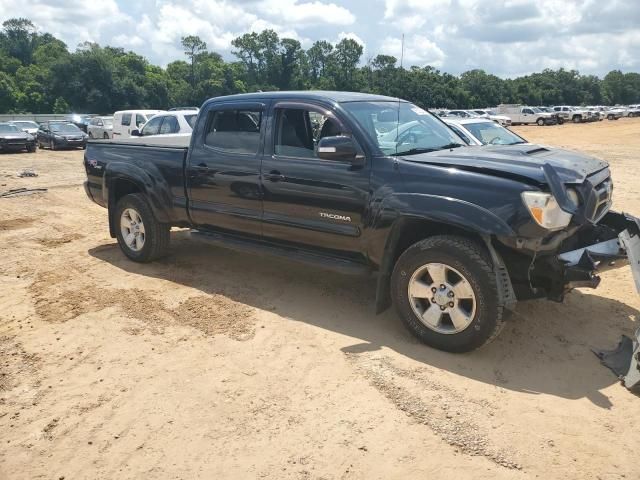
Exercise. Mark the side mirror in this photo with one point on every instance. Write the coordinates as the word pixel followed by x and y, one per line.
pixel 339 149
pixel 135 133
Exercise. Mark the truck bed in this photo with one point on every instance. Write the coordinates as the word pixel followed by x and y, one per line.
pixel 159 169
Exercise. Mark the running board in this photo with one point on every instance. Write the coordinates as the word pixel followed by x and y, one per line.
pixel 243 244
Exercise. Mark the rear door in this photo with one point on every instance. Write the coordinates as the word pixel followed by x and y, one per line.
pixel 224 167
pixel 308 200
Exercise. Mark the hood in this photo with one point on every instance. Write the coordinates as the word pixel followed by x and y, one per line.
pixel 15 136
pixel 522 160
pixel 70 135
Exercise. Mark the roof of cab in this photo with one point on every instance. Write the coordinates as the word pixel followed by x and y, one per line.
pixel 325 95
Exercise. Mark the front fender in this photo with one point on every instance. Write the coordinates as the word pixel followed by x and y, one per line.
pixel 397 213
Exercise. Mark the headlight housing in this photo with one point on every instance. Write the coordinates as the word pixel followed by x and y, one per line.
pixel 545 210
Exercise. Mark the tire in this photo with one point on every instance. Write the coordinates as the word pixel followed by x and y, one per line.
pixel 610 117
pixel 155 239
pixel 91 135
pixel 105 136
pixel 463 259
pixel 560 121
pixel 540 122
pixel 31 149
pixel 577 119
pixel 52 145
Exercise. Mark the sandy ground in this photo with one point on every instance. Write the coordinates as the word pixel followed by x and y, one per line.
pixel 215 364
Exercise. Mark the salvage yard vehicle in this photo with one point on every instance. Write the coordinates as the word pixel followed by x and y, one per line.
pixel 172 128
pixel 573 114
pixel 100 127
pixel 523 115
pixel 59 134
pixel 455 234
pixel 26 126
pixel 12 139
pixel 481 131
pixel 125 121
pixel 491 115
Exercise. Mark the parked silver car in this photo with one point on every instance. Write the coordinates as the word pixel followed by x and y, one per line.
pixel 100 127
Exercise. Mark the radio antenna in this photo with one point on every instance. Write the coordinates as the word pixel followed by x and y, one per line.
pixel 398 123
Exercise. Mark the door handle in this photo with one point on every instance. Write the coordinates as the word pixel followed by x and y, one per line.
pixel 275 176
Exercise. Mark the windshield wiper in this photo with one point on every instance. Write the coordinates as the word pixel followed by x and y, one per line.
pixel 449 145
pixel 415 151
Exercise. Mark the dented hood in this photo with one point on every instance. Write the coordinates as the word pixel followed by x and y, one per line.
pixel 522 160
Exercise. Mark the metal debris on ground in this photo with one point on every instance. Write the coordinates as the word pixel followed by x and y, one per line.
pixel 27 172
pixel 624 361
pixel 17 192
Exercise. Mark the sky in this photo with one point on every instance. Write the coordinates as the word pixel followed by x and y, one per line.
pixel 506 37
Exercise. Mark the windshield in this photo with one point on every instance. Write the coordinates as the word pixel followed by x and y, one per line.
pixel 65 128
pixel 536 110
pixel 412 130
pixel 490 133
pixel 191 120
pixel 8 129
pixel 23 124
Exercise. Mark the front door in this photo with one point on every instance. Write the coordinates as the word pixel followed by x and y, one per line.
pixel 224 168
pixel 308 200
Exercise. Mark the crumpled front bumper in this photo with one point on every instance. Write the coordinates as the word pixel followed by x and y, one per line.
pixel 580 266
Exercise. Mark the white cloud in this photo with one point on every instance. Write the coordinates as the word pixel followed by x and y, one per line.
pixel 506 37
pixel 418 50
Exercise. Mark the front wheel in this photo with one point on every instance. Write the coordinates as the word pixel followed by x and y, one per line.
pixel 140 236
pixel 577 119
pixel 540 122
pixel 444 290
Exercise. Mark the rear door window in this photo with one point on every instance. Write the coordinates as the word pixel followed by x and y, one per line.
pixel 235 131
pixel 126 119
pixel 169 125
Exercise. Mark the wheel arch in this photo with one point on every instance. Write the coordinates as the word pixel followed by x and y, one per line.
pixel 464 220
pixel 124 179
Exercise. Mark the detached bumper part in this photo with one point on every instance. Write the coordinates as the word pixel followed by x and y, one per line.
pixel 624 361
pixel 582 265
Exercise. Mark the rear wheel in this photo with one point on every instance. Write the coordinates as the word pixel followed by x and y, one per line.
pixel 52 145
pixel 577 119
pixel 540 122
pixel 91 135
pixel 31 148
pixel 140 236
pixel 445 292
pixel 105 136
pixel 610 117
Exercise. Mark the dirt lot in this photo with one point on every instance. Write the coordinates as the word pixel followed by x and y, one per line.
pixel 215 364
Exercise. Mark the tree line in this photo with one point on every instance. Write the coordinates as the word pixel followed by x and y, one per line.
pixel 38 74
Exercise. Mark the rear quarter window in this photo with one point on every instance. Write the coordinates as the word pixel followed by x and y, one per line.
pixel 126 119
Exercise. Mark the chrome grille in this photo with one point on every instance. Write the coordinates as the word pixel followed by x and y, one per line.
pixel 597 193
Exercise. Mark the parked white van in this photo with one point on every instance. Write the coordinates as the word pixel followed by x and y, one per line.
pixel 125 121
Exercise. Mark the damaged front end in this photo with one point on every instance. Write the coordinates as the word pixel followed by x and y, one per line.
pixel 599 240
pixel 613 243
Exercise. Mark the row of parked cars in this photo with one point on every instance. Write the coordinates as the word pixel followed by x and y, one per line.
pixel 174 126
pixel 513 114
pixel 171 127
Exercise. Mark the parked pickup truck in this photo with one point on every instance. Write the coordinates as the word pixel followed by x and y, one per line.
pixel 455 234
pixel 526 115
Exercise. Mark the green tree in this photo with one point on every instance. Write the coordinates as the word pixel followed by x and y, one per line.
pixel 193 45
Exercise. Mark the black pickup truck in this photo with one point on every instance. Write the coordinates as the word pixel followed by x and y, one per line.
pixel 367 184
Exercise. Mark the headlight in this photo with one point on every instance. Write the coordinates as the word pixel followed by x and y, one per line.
pixel 545 210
